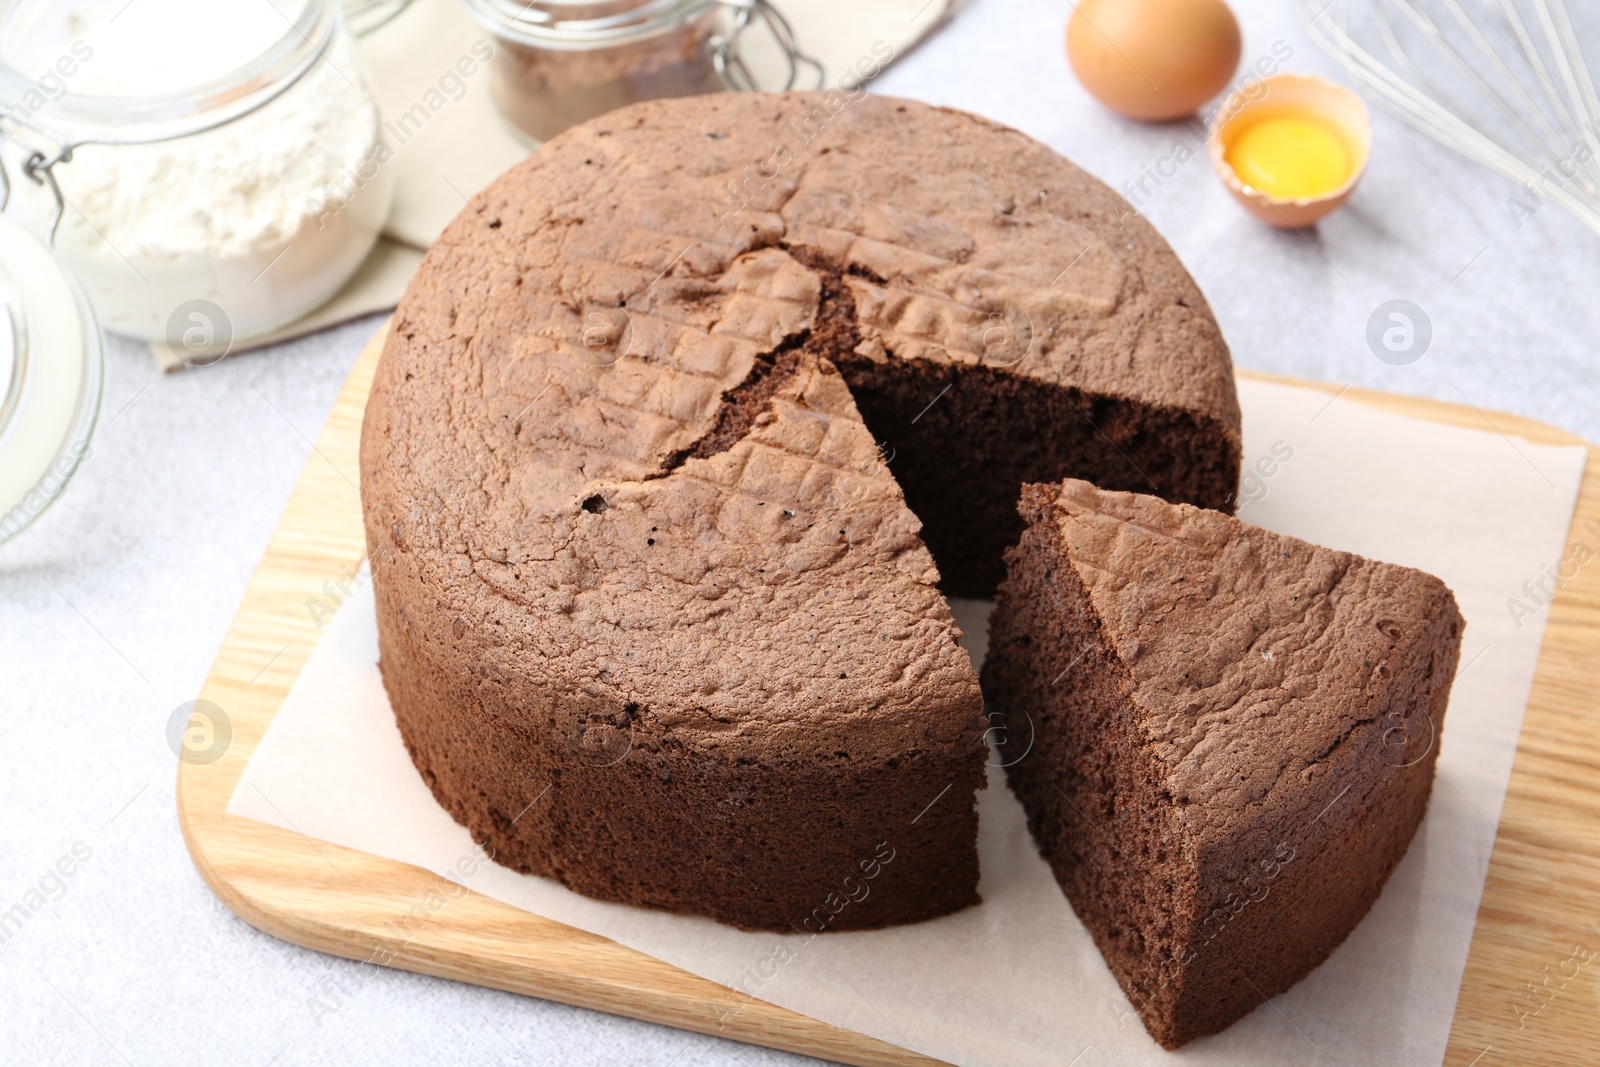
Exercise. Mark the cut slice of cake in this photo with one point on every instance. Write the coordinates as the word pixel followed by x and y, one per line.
pixel 1234 736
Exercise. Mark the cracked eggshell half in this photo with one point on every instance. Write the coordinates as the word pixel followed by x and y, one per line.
pixel 1300 96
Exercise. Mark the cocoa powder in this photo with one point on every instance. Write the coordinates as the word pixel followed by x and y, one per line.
pixel 542 91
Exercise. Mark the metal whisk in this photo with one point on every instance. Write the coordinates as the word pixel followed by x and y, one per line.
pixel 1474 76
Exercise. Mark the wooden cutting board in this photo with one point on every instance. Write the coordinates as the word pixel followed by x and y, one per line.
pixel 1539 917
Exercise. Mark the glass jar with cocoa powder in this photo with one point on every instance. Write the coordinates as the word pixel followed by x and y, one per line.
pixel 562 62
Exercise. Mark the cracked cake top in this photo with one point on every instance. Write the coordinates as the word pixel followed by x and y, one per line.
pixel 606 444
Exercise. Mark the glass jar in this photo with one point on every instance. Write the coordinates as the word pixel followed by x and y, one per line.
pixel 562 62
pixel 52 370
pixel 195 162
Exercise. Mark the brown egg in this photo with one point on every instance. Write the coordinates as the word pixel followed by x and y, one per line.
pixel 1153 59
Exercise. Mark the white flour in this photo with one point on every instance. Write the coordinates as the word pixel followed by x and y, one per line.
pixel 265 217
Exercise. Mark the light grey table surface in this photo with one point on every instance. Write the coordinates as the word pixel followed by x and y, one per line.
pixel 113 606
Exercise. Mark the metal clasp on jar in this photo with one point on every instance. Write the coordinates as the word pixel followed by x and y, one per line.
pixel 39 165
pixel 729 64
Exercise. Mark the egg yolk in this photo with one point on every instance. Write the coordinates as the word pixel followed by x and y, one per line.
pixel 1290 157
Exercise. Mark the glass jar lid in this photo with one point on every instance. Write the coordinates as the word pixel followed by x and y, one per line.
pixel 41 40
pixel 52 371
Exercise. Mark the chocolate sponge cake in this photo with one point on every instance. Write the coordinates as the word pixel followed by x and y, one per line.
pixel 682 432
pixel 1234 737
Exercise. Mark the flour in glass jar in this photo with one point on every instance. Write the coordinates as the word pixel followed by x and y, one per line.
pixel 265 216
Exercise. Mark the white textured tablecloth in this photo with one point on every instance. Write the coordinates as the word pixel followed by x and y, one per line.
pixel 113 606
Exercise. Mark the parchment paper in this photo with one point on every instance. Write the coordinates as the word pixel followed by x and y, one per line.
pixel 1017 980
